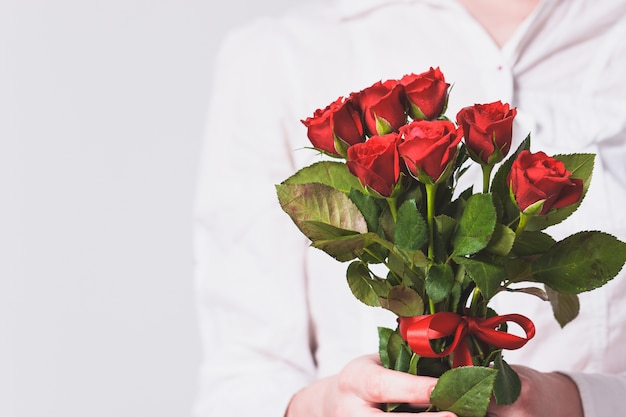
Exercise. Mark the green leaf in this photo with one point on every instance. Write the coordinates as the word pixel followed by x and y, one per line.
pixel 564 306
pixel 325 231
pixel 383 341
pixel 346 248
pixel 465 391
pixel 532 243
pixel 403 363
pixel 518 270
pixel 408 265
pixel 403 301
pixel 389 346
pixel 581 262
pixel 393 355
pixel 581 166
pixel 476 225
pixel 411 230
pixel 387 225
pixel 306 203
pixel 487 276
pixel 434 367
pixel 331 173
pixel 368 206
pixel 412 258
pixel 375 254
pixel 360 283
pixel 439 282
pixel 508 385
pixel 502 240
pixel 444 227
pixel 457 290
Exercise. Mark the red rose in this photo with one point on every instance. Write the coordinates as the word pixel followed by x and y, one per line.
pixel 339 119
pixel 427 94
pixel 488 129
pixel 536 177
pixel 429 147
pixel 383 107
pixel 376 163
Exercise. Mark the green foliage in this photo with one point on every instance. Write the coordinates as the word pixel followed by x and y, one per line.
pixel 361 284
pixel 465 391
pixel 581 262
pixel 408 266
pixel 444 228
pixel 564 306
pixel 331 173
pixel 532 243
pixel 403 301
pixel 394 354
pixel 508 385
pixel 411 231
pixel 320 204
pixel 345 248
pixel 487 276
pixel 390 344
pixel 369 207
pixel 501 241
pixel 439 282
pixel 476 225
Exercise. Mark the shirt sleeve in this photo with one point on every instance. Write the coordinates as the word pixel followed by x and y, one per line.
pixel 601 394
pixel 249 258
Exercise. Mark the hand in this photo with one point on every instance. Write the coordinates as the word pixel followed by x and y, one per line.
pixel 543 395
pixel 359 389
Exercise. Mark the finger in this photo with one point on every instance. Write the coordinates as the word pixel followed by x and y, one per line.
pixel 370 381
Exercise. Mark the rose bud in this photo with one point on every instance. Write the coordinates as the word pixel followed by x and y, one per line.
pixel 427 94
pixel 383 107
pixel 335 128
pixel 539 183
pixel 488 130
pixel 376 163
pixel 429 148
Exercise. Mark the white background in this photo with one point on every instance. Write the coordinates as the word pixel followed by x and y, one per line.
pixel 102 106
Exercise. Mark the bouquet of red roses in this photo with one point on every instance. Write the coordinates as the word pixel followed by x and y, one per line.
pixel 389 196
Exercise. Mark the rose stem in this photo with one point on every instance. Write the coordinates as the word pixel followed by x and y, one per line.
pixel 431 190
pixel 486 176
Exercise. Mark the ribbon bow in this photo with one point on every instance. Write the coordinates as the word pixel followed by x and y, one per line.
pixel 418 331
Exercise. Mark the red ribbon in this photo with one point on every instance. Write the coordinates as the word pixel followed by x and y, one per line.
pixel 419 331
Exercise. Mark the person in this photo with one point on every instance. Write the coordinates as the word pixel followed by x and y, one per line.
pixel 282 334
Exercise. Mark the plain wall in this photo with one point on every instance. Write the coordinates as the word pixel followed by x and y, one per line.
pixel 102 108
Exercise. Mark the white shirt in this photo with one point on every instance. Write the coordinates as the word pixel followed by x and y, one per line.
pixel 274 314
